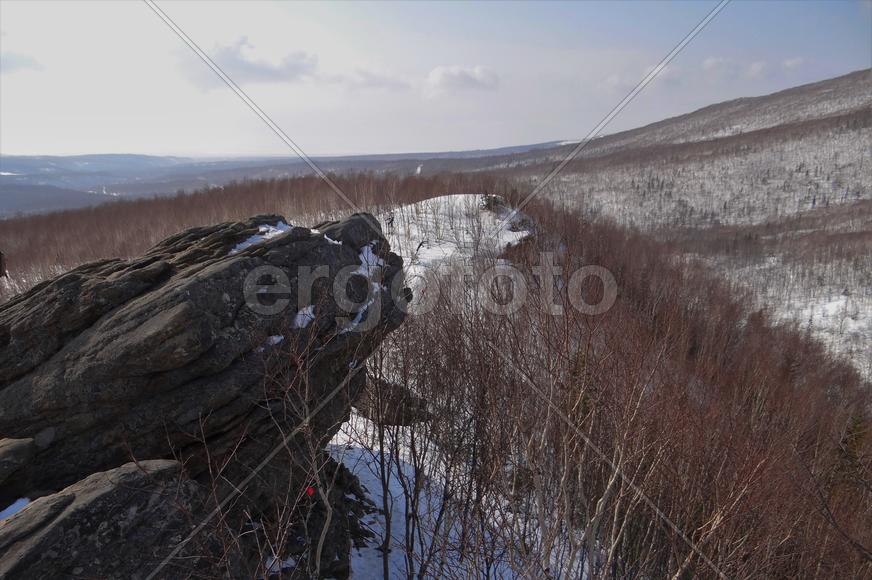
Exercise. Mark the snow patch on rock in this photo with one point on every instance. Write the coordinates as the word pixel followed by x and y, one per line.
pixel 265 232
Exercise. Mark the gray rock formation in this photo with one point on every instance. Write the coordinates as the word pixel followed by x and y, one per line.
pixel 105 526
pixel 210 350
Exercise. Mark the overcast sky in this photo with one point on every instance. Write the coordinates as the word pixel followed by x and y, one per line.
pixel 391 77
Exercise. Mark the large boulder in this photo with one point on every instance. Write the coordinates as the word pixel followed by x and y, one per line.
pixel 122 524
pixel 111 524
pixel 217 348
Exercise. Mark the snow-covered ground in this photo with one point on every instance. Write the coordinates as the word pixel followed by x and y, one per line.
pixel 746 192
pixel 428 529
pixel 445 230
pixel 763 184
pixel 834 306
pixel 438 544
pixel 448 230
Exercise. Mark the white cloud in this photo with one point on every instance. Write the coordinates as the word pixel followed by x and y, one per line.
pixel 369 79
pixel 238 62
pixel 714 63
pixel 793 63
pixel 11 62
pixel 757 70
pixel 614 82
pixel 452 78
pixel 369 89
pixel 720 69
pixel 670 75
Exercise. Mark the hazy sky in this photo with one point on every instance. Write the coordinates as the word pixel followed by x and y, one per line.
pixel 391 77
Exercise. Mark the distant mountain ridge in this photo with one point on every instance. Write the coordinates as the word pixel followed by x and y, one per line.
pixel 834 96
pixel 26 181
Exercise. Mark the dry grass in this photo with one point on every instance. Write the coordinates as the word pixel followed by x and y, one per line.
pixel 749 436
pixel 41 246
pixel 746 434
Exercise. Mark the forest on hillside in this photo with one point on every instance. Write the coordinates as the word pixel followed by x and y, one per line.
pixel 685 431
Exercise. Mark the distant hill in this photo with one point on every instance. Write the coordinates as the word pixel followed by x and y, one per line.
pixel 144 175
pixel 27 183
pixel 109 164
pixel 837 96
pixel 744 161
pixel 16 199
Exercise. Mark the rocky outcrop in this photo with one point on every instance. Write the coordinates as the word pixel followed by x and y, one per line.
pixel 105 526
pixel 220 348
pixel 14 454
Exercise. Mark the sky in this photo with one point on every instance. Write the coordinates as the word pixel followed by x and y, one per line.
pixel 392 77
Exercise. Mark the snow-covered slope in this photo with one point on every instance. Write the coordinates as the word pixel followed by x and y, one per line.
pixel 439 546
pixel 442 231
pixel 811 101
pixel 450 229
pixel 832 302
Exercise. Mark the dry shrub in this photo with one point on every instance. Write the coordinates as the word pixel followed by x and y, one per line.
pixel 551 434
pixel 41 246
pixel 555 432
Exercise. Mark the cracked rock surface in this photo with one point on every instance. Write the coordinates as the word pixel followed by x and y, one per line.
pixel 190 361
